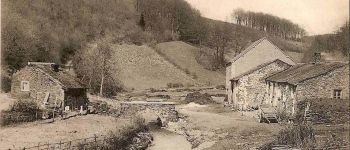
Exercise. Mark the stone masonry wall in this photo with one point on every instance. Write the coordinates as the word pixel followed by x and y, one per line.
pixel 251 90
pixel 165 111
pixel 39 85
pixel 323 86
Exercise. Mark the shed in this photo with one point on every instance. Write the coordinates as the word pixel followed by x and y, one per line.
pixel 49 86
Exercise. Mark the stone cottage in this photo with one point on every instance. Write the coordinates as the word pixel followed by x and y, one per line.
pixel 49 86
pixel 323 80
pixel 245 74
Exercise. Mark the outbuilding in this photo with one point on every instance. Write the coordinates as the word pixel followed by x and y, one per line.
pixel 309 81
pixel 49 86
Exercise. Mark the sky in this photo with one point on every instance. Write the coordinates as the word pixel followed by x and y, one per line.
pixel 315 16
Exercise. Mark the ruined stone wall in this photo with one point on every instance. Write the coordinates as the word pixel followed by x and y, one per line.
pixel 323 86
pixel 251 89
pixel 39 85
pixel 165 111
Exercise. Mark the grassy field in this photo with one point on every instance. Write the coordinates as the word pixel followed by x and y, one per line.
pixel 140 67
pixel 184 55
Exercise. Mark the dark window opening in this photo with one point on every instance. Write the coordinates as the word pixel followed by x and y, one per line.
pixel 337 94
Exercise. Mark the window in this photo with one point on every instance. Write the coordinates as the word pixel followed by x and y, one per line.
pixel 337 94
pixel 25 86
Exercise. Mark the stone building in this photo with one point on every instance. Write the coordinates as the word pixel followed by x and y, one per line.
pixel 246 72
pixel 49 86
pixel 323 80
pixel 248 89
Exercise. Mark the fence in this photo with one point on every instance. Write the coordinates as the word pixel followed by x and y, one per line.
pixel 82 143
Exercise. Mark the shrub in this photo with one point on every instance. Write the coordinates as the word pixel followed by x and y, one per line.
pixel 301 136
pixel 220 87
pixel 194 76
pixel 199 98
pixel 174 85
pixel 187 71
pixel 120 139
pixel 25 106
pixel 20 111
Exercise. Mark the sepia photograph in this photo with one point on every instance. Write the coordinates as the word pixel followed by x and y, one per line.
pixel 174 75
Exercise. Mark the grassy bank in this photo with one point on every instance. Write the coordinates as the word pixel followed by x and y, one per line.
pixel 133 136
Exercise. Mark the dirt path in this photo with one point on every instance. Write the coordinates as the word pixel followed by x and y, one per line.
pixel 5 101
pixel 226 129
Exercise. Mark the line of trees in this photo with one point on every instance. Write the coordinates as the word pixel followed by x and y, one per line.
pixel 272 24
pixel 171 20
pixel 338 42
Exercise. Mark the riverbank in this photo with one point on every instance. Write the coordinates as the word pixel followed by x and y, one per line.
pixel 167 140
pixel 214 127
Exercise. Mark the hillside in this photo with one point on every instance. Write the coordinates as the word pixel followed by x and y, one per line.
pixel 140 67
pixel 184 56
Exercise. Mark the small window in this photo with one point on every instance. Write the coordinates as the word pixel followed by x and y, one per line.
pixel 337 94
pixel 25 86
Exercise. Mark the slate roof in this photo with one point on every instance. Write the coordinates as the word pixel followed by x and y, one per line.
pixel 302 72
pixel 65 79
pixel 258 67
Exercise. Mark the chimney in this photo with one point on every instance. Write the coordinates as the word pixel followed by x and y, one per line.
pixel 316 58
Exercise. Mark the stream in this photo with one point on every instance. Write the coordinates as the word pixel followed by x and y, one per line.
pixel 166 140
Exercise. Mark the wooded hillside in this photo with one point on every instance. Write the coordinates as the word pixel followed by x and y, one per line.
pixel 59 31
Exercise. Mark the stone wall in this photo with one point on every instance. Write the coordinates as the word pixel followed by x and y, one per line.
pixel 39 84
pixel 228 83
pixel 282 97
pixel 323 86
pixel 251 89
pixel 164 110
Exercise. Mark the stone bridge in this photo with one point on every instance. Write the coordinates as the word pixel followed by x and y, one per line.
pixel 163 110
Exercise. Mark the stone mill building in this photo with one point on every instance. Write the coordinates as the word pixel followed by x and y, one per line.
pixel 245 74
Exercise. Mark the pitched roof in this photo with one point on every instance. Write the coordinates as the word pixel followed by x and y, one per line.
pixel 248 48
pixel 302 72
pixel 253 45
pixel 258 67
pixel 65 79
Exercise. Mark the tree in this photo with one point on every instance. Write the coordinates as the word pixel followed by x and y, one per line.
pixel 104 55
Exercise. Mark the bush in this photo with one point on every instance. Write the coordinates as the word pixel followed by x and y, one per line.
pixel 21 111
pixel 297 136
pixel 123 138
pixel 25 106
pixel 174 85
pixel 301 136
pixel 220 87
pixel 199 98
pixel 5 83
pixel 324 110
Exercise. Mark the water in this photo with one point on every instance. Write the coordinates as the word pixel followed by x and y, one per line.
pixel 166 140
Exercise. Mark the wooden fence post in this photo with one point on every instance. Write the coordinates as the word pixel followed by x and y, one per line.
pixel 60 145
pixel 38 145
pixel 70 144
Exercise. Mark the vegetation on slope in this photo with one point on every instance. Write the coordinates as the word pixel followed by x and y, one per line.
pixel 337 42
pixel 58 31
pixel 268 23
pixel 184 56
